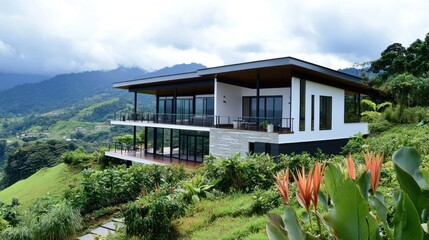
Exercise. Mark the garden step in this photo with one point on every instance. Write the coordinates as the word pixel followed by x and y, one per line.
pixel 114 226
pixel 102 231
pixel 121 220
pixel 88 236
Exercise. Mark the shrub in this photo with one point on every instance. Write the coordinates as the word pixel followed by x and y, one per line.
pixel 379 126
pixel 77 156
pixel 9 213
pixel 240 174
pixel 197 188
pixel 295 161
pixel 16 233
pixel 262 202
pixel 415 115
pixel 3 224
pixel 150 217
pixel 119 184
pixel 62 222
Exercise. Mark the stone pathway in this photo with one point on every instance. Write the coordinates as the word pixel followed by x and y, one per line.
pixel 104 229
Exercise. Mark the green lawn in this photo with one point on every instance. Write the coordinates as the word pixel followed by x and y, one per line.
pixel 52 180
pixel 221 219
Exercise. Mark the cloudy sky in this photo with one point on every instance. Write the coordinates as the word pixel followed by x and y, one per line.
pixel 62 36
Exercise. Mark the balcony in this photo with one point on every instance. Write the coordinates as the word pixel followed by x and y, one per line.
pixel 278 125
pixel 139 155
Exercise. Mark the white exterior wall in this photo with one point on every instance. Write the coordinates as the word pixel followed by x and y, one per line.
pixel 228 99
pixel 339 128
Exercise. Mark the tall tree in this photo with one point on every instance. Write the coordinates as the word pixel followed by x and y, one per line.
pixel 391 62
pixel 2 149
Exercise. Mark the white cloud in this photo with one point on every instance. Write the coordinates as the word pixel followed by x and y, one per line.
pixel 74 35
pixel 6 49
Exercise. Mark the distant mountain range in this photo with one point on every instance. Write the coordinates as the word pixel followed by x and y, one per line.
pixel 10 80
pixel 63 90
pixel 358 72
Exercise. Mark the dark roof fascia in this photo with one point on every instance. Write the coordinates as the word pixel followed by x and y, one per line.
pixel 276 62
pixel 164 78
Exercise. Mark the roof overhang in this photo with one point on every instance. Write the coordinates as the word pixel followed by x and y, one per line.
pixel 271 73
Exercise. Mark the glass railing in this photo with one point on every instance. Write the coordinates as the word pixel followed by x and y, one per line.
pixel 279 125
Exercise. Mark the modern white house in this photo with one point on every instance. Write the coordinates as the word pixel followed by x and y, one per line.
pixel 273 106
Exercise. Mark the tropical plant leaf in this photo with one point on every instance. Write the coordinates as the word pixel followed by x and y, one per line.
pixel 350 217
pixel 377 202
pixel 275 228
pixel 333 179
pixel 379 205
pixel 407 161
pixel 291 224
pixel 363 183
pixel 408 225
pixel 195 199
pixel 384 104
pixel 323 200
pixel 275 233
pixel 370 104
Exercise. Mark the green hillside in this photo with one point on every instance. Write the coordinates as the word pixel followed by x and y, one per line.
pixel 52 180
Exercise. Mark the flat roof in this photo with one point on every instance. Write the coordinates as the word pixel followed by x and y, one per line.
pixel 276 69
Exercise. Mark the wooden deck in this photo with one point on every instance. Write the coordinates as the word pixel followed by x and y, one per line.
pixel 141 157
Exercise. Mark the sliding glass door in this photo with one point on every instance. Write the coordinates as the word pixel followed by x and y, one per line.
pixel 174 143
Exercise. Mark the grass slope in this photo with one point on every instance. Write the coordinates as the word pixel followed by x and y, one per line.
pixel 221 219
pixel 88 110
pixel 52 180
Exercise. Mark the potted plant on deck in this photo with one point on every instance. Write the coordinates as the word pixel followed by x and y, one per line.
pixel 267 125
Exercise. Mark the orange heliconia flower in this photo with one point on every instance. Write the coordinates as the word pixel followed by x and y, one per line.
pixel 305 187
pixel 351 167
pixel 374 163
pixel 282 183
pixel 317 178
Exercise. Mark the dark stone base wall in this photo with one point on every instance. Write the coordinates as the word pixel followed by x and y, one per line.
pixel 327 147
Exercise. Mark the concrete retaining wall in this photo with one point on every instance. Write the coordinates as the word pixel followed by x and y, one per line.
pixel 225 142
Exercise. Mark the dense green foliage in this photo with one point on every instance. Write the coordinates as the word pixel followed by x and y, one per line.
pixel 389 140
pixel 56 221
pixel 30 157
pixel 396 59
pixel 9 213
pixel 403 73
pixel 61 222
pixel 76 157
pixel 3 145
pixel 240 174
pixel 151 217
pixel 119 184
pixel 356 209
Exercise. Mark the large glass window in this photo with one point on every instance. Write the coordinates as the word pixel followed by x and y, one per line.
pixel 204 106
pixel 302 105
pixel 150 136
pixel 193 145
pixel 352 108
pixel 165 105
pixel 270 107
pixel 325 113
